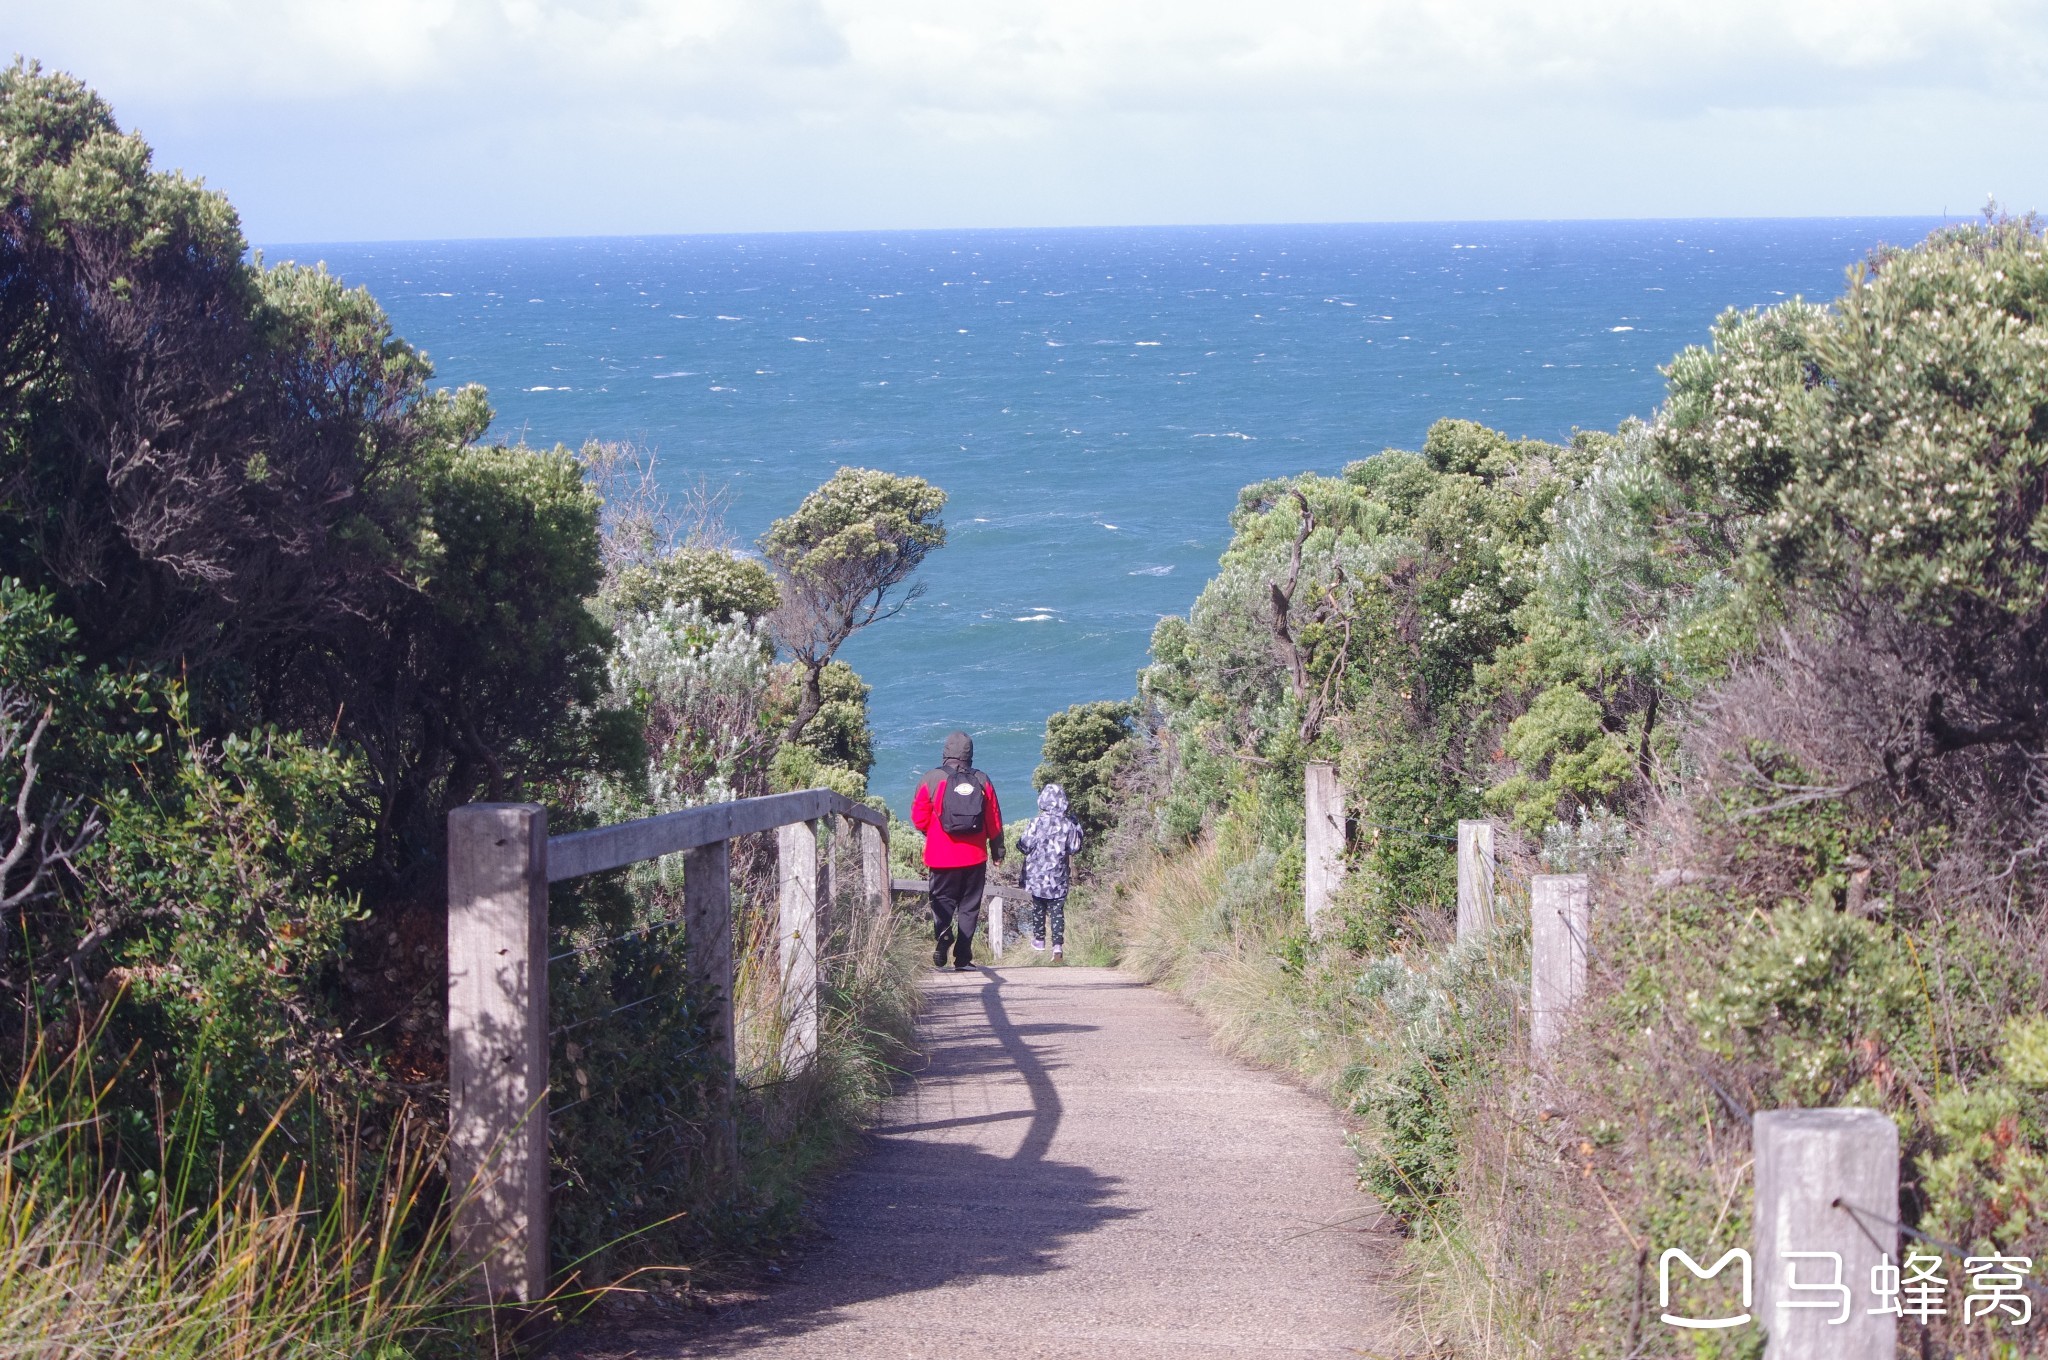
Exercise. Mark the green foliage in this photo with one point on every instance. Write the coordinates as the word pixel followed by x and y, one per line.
pixel 797 766
pixel 720 583
pixel 1085 747
pixel 839 733
pixel 844 559
pixel 1806 606
pixel 881 522
pixel 1917 459
pixel 214 895
pixel 312 543
pixel 1441 1028
pixel 1566 761
pixel 1803 995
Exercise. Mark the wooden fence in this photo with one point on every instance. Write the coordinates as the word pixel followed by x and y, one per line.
pixel 500 862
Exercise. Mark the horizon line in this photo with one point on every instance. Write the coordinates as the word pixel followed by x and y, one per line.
pixel 1944 218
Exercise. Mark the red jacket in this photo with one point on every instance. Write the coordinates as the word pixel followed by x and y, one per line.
pixel 943 849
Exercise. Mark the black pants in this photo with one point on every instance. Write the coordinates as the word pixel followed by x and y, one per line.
pixel 956 908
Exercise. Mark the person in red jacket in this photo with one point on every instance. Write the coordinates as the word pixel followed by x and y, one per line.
pixel 956 809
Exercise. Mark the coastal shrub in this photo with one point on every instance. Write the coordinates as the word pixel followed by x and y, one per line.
pixel 843 560
pixel 838 733
pixel 1085 750
pixel 235 472
pixel 696 686
pixel 718 582
pixel 1767 667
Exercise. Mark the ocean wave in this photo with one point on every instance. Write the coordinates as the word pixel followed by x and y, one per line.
pixel 1147 344
pixel 550 389
pixel 1035 618
pixel 800 339
pixel 680 373
pixel 1151 571
pixel 1228 434
pixel 723 317
pixel 1616 330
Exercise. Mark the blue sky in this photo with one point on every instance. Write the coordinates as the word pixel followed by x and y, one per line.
pixel 331 120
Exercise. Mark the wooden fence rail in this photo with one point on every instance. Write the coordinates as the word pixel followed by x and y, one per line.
pixel 500 862
pixel 994 894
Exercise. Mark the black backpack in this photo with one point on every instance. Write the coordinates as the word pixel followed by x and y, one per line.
pixel 959 801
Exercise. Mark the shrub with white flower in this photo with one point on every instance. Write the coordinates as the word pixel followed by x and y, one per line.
pixel 698 684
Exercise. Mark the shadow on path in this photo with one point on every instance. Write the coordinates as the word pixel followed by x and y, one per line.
pixel 927 1205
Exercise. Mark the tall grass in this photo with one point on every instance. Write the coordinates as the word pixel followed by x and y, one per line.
pixel 794 1124
pixel 332 1251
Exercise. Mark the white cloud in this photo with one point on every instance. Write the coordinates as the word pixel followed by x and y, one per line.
pixel 1025 55
pixel 487 116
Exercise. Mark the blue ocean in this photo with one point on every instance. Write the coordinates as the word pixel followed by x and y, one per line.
pixel 1092 399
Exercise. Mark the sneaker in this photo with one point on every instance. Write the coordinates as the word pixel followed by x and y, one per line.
pixel 1059 953
pixel 963 967
pixel 1038 945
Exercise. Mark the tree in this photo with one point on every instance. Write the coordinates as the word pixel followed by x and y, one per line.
pixel 844 560
pixel 1085 748
pixel 1887 463
pixel 238 474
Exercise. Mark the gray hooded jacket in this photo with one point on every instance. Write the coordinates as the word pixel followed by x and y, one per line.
pixel 1047 843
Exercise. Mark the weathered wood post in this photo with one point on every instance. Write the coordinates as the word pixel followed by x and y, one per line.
pixel 707 946
pixel 874 867
pixel 1827 1199
pixel 498 1045
pixel 1560 917
pixel 1475 879
pixel 995 924
pixel 796 856
pixel 829 845
pixel 1325 870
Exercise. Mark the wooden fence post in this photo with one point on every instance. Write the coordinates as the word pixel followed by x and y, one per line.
pixel 1475 879
pixel 707 946
pixel 796 856
pixel 1560 917
pixel 498 1044
pixel 1324 804
pixel 874 867
pixel 995 924
pixel 1827 1204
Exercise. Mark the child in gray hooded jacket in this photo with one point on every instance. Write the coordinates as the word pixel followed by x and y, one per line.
pixel 1049 844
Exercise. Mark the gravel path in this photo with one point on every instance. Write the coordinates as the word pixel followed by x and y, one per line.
pixel 1078 1174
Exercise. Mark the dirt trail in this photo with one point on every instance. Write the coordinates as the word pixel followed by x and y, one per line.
pixel 1077 1174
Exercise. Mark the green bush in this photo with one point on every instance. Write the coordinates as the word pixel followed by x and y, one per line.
pixel 1086 746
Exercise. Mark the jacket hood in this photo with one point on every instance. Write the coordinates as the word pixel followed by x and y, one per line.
pixel 1052 798
pixel 959 750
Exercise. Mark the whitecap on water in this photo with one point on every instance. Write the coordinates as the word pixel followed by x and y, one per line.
pixel 1151 571
pixel 679 373
pixel 800 339
pixel 1035 618
pixel 1108 525
pixel 728 318
pixel 1144 344
pixel 1612 330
